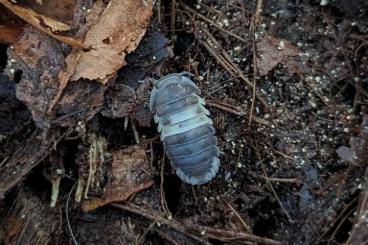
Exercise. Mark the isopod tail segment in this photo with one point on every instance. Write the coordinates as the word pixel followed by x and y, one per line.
pixel 186 129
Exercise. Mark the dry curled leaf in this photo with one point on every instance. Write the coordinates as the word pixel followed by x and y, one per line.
pixel 34 18
pixel 117 32
pixel 272 51
pixel 40 58
pixel 43 23
pixel 129 173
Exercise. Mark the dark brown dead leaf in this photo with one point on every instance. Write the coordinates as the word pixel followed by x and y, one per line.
pixel 11 26
pixel 81 101
pixel 13 114
pixel 129 173
pixel 272 51
pixel 40 58
pixel 122 101
pixel 10 33
pixel 129 96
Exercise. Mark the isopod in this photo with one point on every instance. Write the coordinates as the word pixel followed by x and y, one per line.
pixel 186 130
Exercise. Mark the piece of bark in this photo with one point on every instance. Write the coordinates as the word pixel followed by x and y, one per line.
pixel 30 221
pixel 129 173
pixel 28 155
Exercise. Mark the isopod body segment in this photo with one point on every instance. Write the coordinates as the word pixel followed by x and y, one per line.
pixel 186 129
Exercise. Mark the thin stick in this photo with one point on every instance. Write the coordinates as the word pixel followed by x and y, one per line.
pixel 162 193
pixel 254 79
pixel 67 215
pixel 230 109
pixel 195 13
pixel 55 188
pixel 226 62
pixel 225 107
pixel 283 154
pixel 246 226
pixel 257 16
pixel 149 228
pixel 159 11
pixel 209 232
pixel 271 187
pixel 173 15
pixel 282 180
pixel 135 132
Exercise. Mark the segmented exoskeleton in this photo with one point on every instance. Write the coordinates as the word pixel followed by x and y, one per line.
pixel 186 130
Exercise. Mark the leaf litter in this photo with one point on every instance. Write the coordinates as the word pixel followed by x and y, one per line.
pixel 281 177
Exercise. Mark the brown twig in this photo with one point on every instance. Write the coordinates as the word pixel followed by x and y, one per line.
pixel 209 232
pixel 226 235
pixel 225 107
pixel 67 214
pixel 231 109
pixel 158 5
pixel 173 16
pixel 135 132
pixel 245 225
pixel 283 180
pixel 162 192
pixel 195 13
pixel 149 228
pixel 257 16
pixel 220 55
pixel 341 215
pixel 270 185
pixel 254 72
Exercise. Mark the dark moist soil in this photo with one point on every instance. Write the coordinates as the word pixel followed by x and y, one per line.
pixel 279 172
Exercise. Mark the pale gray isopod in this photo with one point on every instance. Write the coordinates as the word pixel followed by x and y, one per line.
pixel 186 130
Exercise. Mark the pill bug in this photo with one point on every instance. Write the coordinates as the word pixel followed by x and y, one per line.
pixel 186 130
